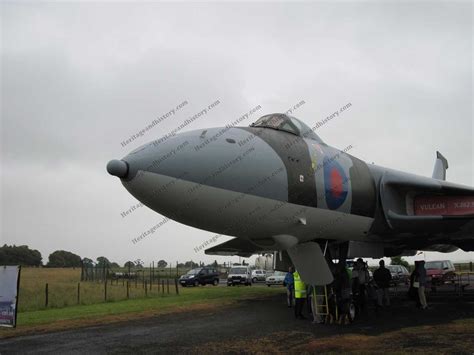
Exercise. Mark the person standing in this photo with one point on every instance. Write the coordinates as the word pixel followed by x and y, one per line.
pixel 382 277
pixel 360 279
pixel 290 287
pixel 300 295
pixel 414 285
pixel 422 284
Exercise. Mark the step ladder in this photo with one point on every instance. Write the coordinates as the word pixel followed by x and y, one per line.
pixel 322 307
pixel 320 300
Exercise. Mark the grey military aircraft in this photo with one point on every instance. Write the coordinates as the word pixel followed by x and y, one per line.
pixel 276 186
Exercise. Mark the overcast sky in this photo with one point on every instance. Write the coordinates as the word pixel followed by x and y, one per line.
pixel 78 79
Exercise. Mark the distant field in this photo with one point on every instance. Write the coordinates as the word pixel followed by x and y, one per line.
pixel 63 289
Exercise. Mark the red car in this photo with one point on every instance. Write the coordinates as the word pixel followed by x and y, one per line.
pixel 440 271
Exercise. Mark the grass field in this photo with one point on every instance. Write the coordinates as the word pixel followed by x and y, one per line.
pixel 63 289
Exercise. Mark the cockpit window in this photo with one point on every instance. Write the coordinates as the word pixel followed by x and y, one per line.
pixel 282 122
pixel 276 121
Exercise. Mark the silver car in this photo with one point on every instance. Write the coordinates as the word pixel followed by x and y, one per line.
pixel 276 279
pixel 258 275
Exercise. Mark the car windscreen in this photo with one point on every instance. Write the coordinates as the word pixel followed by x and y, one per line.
pixel 279 273
pixel 431 265
pixel 238 270
pixel 193 272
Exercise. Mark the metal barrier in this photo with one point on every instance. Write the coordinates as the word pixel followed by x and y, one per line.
pixel 462 280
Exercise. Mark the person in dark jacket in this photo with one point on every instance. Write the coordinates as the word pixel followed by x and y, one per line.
pixel 422 279
pixel 382 277
pixel 414 285
pixel 289 282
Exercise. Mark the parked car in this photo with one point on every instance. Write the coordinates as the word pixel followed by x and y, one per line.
pixel 400 274
pixel 200 276
pixel 440 271
pixel 239 275
pixel 276 279
pixel 259 275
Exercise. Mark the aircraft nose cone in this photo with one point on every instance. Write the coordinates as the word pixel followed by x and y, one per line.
pixel 117 168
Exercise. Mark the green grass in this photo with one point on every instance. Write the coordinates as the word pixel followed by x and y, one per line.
pixel 63 289
pixel 189 299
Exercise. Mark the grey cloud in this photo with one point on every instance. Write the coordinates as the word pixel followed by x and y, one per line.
pixel 78 78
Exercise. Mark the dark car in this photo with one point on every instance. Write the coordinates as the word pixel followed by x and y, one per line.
pixel 200 276
pixel 400 274
pixel 440 271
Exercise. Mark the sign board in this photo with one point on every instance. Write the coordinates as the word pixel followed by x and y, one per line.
pixel 444 205
pixel 9 285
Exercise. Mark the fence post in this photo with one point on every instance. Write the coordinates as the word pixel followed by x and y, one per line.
pixel 128 294
pixel 105 290
pixel 46 294
pixel 168 285
pixel 146 288
pixel 78 293
pixel 176 285
pixel 162 287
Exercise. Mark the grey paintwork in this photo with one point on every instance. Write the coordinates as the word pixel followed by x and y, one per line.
pixel 253 184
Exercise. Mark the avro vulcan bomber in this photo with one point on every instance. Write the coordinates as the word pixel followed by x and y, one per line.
pixel 276 186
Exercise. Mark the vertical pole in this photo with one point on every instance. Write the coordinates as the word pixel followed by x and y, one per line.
pixel 177 273
pixel 46 295
pixel 146 289
pixel 150 274
pixel 170 269
pixel 105 290
pixel 168 285
pixel 128 293
pixel 78 293
pixel 176 285
pixel 162 287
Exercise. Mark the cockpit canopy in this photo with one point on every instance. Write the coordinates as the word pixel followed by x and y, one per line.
pixel 286 123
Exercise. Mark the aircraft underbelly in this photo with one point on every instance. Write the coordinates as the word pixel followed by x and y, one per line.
pixel 244 215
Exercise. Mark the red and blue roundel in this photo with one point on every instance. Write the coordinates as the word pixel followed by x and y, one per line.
pixel 335 183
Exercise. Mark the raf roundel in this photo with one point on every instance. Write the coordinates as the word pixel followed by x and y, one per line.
pixel 335 184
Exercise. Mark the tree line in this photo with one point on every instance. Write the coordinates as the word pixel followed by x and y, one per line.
pixel 23 255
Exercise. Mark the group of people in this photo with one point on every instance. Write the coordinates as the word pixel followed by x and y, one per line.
pixel 355 284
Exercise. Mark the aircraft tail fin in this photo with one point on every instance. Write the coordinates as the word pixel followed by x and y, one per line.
pixel 441 165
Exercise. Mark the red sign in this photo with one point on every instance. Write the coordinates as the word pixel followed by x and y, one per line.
pixel 444 205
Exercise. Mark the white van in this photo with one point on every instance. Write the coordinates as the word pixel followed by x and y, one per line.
pixel 240 275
